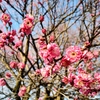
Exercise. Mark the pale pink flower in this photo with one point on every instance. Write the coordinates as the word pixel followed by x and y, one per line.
pixel 52 38
pixel 41 18
pixel 97 76
pixel 21 65
pixel 73 53
pixel 96 53
pixel 13 64
pixel 2 82
pixel 8 75
pixel 5 18
pixel 22 91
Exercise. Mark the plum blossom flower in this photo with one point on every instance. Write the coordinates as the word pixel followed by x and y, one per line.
pixel 22 91
pixel 96 53
pixel 18 44
pixel 65 80
pixel 8 75
pixel 89 55
pixel 49 52
pixel 64 62
pixel 53 50
pixel 97 76
pixel 45 72
pixel 13 64
pixel 73 53
pixel 56 68
pixel 27 24
pixel 0 1
pixel 78 83
pixel 5 18
pixel 21 65
pixel 2 82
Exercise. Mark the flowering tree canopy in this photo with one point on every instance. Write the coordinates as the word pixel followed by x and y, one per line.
pixel 49 49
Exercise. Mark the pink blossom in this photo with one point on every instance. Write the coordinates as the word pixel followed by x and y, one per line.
pixel 5 18
pixel 8 75
pixel 41 18
pixel 64 62
pixel 73 53
pixel 45 72
pixel 21 65
pixel 96 53
pixel 2 82
pixel 13 64
pixel 56 68
pixel 89 55
pixel 18 44
pixel 27 24
pixel 2 43
pixel 3 35
pixel 30 17
pixel 0 1
pixel 44 31
pixel 52 38
pixel 97 76
pixel 65 80
pixel 53 50
pixel 22 91
pixel 13 33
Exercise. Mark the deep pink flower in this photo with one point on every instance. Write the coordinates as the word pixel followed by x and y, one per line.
pixel 45 72
pixel 65 80
pixel 64 62
pixel 52 38
pixel 3 35
pixel 44 31
pixel 21 65
pixel 5 18
pixel 13 64
pixel 2 43
pixel 41 18
pixel 8 75
pixel 27 24
pixel 73 53
pixel 53 50
pixel 2 82
pixel 22 91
